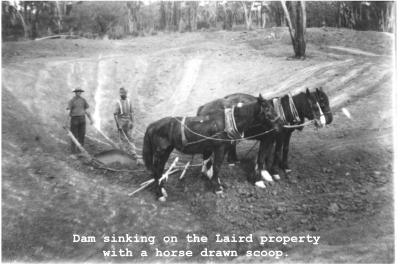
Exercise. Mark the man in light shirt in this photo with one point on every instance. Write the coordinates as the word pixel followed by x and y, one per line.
pixel 123 114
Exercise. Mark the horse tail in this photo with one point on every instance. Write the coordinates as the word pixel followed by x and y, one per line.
pixel 148 150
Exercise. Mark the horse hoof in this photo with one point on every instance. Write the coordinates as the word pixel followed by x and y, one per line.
pixel 287 171
pixel 266 176
pixel 260 184
pixel 219 190
pixel 276 177
pixel 162 199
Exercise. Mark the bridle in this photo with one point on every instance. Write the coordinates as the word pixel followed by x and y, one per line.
pixel 318 117
pixel 321 115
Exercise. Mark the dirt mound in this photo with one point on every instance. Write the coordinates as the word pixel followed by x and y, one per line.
pixel 340 188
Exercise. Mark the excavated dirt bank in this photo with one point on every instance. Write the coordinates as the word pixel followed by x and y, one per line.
pixel 341 187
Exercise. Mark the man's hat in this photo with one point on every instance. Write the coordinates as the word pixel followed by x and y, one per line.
pixel 122 90
pixel 78 89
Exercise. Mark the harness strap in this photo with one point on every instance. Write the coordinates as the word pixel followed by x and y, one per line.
pixel 213 137
pixel 184 139
pixel 120 106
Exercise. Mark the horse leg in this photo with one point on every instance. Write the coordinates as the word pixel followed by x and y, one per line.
pixel 232 156
pixel 278 153
pixel 207 168
pixel 285 164
pixel 262 173
pixel 257 172
pixel 160 158
pixel 269 152
pixel 219 154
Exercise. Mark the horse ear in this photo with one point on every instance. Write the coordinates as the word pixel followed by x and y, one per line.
pixel 320 89
pixel 308 92
pixel 260 98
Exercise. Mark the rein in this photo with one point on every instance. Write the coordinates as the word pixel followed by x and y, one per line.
pixel 216 134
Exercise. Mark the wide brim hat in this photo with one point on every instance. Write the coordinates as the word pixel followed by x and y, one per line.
pixel 122 90
pixel 78 89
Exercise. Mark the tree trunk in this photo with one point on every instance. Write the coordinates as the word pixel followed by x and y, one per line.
pixel 26 29
pixel 194 23
pixel 247 14
pixel 189 19
pixel 264 20
pixel 59 13
pixel 391 17
pixel 175 15
pixel 133 21
pixel 301 28
pixel 288 20
pixel 163 18
pixel 35 23
pixel 298 11
pixel 228 18
pixel 69 8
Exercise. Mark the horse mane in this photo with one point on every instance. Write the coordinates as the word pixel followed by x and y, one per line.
pixel 248 110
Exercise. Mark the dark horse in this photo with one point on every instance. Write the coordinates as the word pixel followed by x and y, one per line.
pixel 313 106
pixel 199 135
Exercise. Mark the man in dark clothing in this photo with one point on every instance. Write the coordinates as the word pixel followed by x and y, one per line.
pixel 77 107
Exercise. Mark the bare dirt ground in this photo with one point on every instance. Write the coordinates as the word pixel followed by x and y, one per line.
pixel 341 187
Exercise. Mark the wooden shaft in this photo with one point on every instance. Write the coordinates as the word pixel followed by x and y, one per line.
pixel 105 137
pixel 164 176
pixel 184 170
pixel 80 147
pixel 142 187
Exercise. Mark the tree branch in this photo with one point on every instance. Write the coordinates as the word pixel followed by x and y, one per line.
pixel 288 19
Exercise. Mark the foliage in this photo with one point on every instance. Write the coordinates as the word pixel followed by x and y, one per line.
pixel 32 19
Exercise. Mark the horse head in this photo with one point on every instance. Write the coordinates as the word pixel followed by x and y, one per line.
pixel 270 116
pixel 323 102
pixel 320 110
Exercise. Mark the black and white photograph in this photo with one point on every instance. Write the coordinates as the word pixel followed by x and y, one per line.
pixel 198 131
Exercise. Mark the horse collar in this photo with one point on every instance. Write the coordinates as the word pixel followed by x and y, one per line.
pixel 184 139
pixel 292 107
pixel 279 109
pixel 230 124
pixel 293 110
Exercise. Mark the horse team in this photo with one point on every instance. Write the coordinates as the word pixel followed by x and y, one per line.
pixel 270 121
